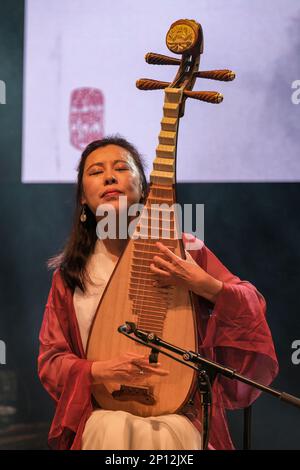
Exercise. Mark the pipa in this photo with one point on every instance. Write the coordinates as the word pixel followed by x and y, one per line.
pixel 130 294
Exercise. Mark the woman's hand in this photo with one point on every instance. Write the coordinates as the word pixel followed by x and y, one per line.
pixel 170 270
pixel 125 368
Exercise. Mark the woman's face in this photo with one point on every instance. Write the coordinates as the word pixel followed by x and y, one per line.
pixel 109 172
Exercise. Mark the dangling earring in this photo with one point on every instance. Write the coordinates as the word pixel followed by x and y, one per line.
pixel 83 215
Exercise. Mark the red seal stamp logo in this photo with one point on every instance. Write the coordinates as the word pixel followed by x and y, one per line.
pixel 86 116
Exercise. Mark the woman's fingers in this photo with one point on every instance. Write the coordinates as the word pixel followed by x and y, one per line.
pixel 168 253
pixel 137 365
pixel 135 355
pixel 165 269
pixel 150 371
pixel 158 271
pixel 162 263
pixel 159 371
pixel 145 367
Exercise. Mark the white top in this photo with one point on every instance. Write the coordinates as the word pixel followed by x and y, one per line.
pixel 99 267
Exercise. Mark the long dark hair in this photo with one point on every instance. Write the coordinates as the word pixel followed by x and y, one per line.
pixel 81 242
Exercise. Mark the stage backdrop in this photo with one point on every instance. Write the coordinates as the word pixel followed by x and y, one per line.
pixel 82 60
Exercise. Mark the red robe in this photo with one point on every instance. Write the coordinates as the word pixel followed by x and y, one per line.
pixel 233 332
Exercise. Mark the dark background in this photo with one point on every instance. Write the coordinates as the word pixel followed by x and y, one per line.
pixel 253 228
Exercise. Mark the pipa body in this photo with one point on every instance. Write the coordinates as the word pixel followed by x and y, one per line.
pixel 131 296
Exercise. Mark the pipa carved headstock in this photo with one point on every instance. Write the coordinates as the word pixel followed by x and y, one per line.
pixel 185 37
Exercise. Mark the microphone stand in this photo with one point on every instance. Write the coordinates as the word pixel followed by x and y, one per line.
pixel 206 369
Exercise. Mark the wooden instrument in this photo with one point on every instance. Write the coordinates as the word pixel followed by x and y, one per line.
pixel 130 294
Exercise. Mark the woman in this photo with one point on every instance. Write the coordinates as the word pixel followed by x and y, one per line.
pixel 232 328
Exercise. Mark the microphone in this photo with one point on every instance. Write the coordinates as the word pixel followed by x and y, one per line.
pixel 130 327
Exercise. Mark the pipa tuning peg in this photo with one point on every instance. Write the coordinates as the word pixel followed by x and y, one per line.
pixel 224 75
pixel 207 96
pixel 149 84
pixel 159 59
